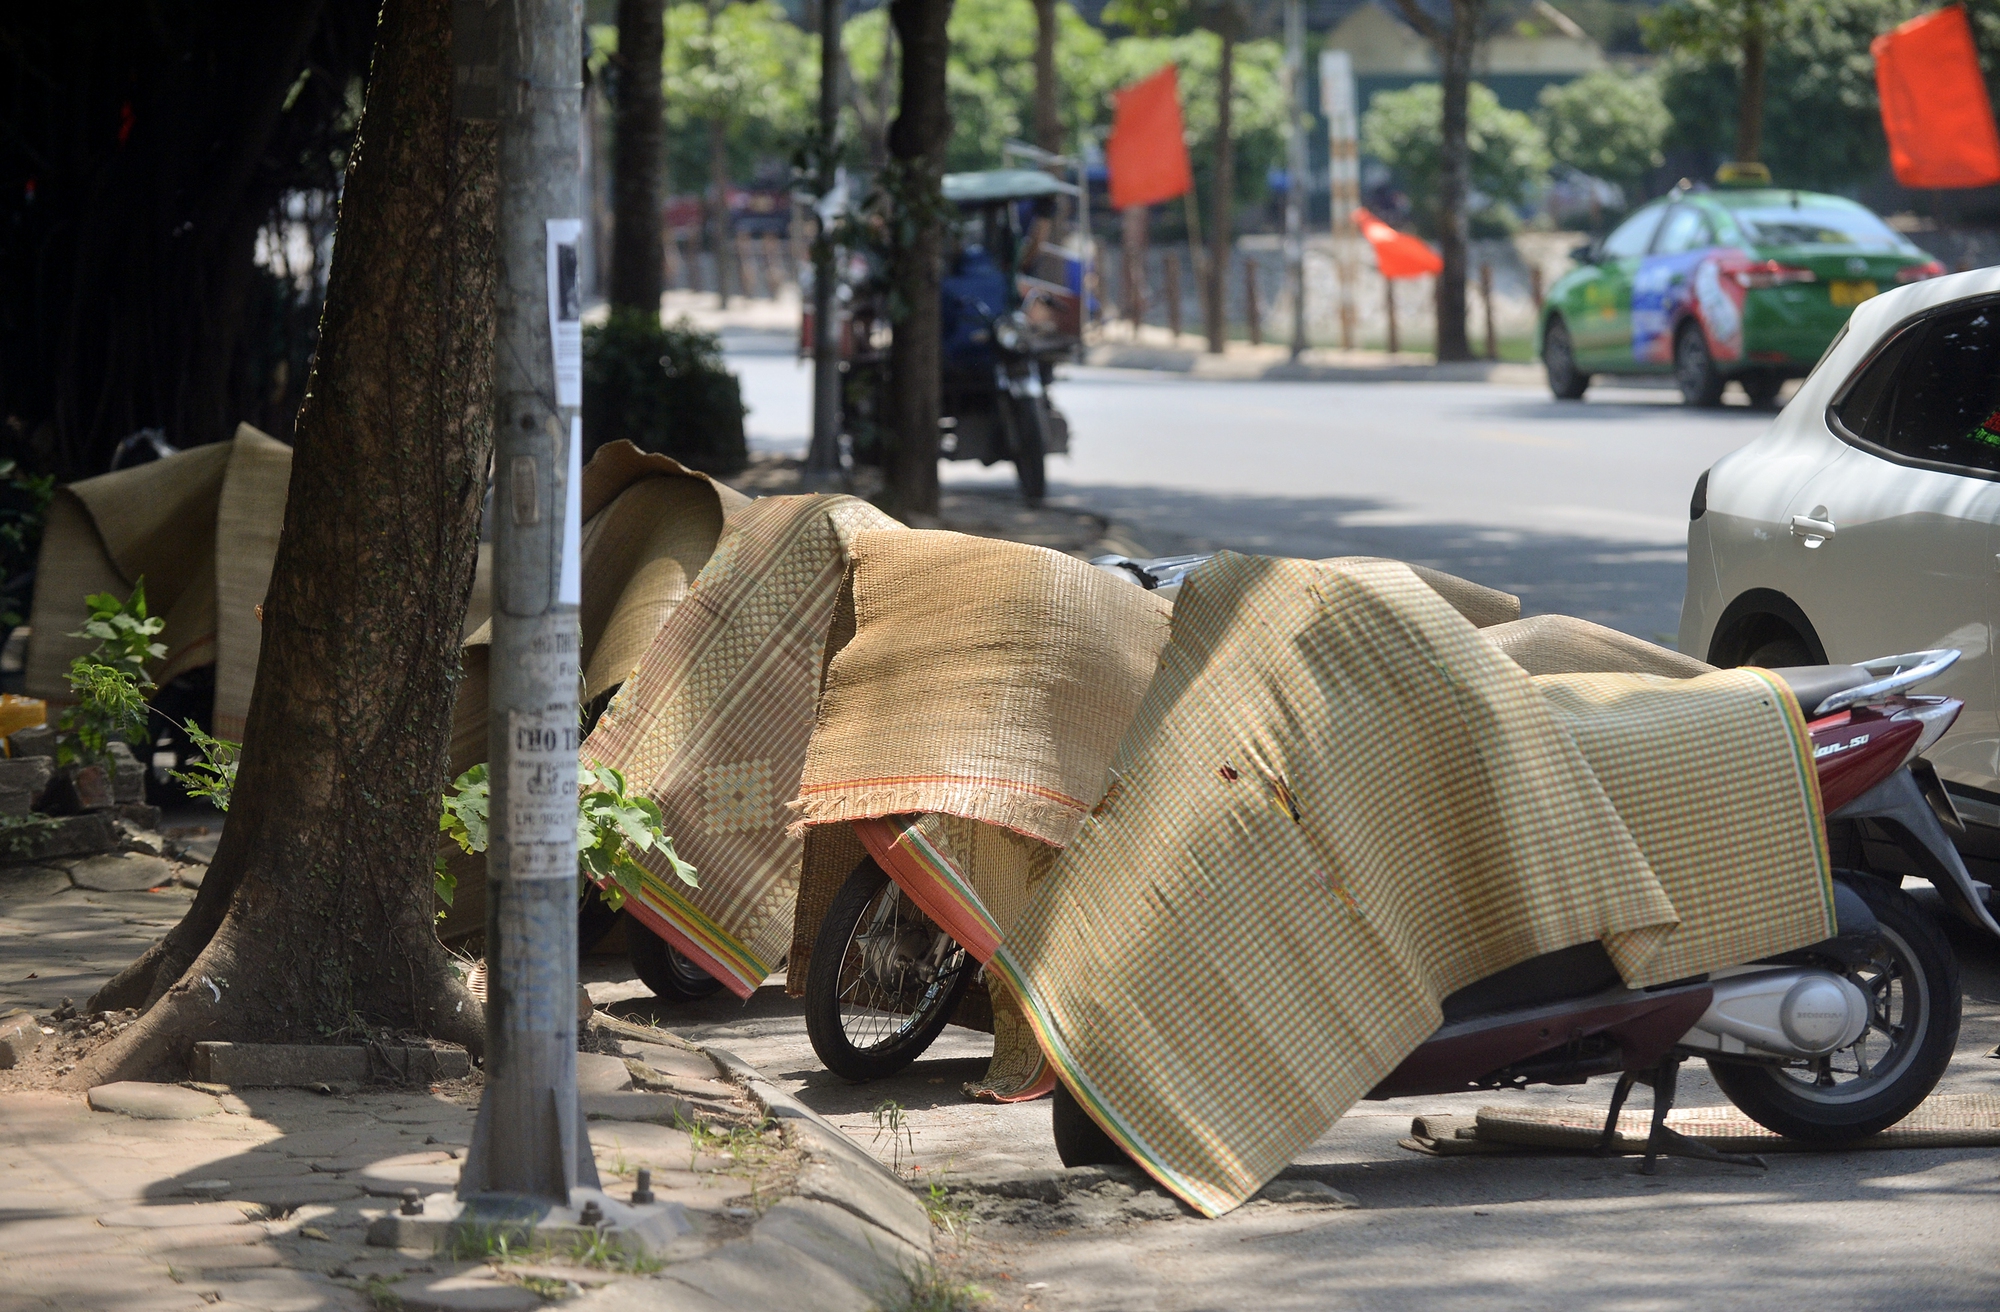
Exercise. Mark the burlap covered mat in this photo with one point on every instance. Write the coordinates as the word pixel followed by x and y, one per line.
pixel 202 528
pixel 1337 804
pixel 649 526
pixel 713 726
pixel 1945 1120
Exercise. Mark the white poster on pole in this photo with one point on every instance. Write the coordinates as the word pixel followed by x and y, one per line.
pixel 566 309
pixel 570 593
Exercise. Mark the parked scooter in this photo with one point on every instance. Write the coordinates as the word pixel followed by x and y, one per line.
pixel 1828 1043
pixel 884 979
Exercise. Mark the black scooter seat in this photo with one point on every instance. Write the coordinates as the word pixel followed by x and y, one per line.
pixel 1813 684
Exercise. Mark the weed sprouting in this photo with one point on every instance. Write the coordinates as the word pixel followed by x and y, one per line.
pixel 891 1120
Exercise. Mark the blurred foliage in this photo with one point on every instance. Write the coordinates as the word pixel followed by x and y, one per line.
pixel 1607 124
pixel 664 389
pixel 1822 120
pixel 1509 155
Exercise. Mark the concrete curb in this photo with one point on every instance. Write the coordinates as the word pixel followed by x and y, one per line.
pixel 1264 366
pixel 849 1240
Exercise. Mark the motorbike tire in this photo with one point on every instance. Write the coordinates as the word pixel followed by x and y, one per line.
pixel 1031 444
pixel 671 976
pixel 1081 1141
pixel 1917 949
pixel 837 972
pixel 1566 381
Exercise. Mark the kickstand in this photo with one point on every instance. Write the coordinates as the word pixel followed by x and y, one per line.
pixel 1606 1147
pixel 1664 1140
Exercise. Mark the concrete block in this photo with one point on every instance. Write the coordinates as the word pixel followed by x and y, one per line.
pixel 152 1102
pixel 37 741
pixel 662 1107
pixel 121 872
pixel 128 777
pixel 20 1034
pixel 70 835
pixel 598 1072
pixel 870 1197
pixel 255 1065
pixel 766 1273
pixel 22 780
pixel 866 1255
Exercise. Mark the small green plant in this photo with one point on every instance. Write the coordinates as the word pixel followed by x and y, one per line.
pixel 110 683
pixel 665 388
pixel 19 833
pixel 214 775
pixel 928 1288
pixel 611 826
pixel 24 506
pixel 946 1212
pixel 891 1120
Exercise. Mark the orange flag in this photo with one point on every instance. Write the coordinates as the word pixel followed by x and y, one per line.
pixel 1147 154
pixel 1397 254
pixel 1935 110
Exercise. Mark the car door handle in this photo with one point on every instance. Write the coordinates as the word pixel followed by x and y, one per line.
pixel 1811 532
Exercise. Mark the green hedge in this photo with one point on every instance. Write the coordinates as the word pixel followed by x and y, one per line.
pixel 664 389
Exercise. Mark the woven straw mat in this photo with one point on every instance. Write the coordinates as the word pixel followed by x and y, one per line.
pixel 713 725
pixel 1337 804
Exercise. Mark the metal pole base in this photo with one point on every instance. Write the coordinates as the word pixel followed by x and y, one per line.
pixel 486 1224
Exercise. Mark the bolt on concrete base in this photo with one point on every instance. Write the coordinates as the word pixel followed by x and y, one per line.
pixel 479 1225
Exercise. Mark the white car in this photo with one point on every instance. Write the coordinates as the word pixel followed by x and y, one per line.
pixel 1866 521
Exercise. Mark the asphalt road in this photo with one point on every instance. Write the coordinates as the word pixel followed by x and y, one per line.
pixel 1577 508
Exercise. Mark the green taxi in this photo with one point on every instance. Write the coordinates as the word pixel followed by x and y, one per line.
pixel 1748 284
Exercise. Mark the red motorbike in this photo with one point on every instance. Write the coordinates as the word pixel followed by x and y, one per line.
pixel 1830 1042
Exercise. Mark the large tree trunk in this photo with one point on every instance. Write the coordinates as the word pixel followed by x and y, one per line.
pixel 638 257
pixel 1048 119
pixel 1454 174
pixel 315 918
pixel 1750 98
pixel 1222 206
pixel 917 142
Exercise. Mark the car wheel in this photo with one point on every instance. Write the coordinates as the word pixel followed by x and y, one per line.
pixel 1694 368
pixel 1763 389
pixel 1559 360
pixel 1780 653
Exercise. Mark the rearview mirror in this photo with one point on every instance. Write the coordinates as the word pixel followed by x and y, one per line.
pixel 1585 254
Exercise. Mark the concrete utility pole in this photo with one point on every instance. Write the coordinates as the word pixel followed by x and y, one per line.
pixel 530 1145
pixel 823 456
pixel 1296 169
pixel 1343 171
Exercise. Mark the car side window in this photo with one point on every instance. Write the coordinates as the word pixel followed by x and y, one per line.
pixel 1686 229
pixel 1933 394
pixel 1629 240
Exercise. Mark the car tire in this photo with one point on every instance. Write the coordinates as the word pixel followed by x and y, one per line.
pixel 1780 652
pixel 1763 389
pixel 671 976
pixel 1694 368
pixel 1566 381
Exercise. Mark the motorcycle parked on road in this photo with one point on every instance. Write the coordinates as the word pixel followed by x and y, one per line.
pixel 1828 1043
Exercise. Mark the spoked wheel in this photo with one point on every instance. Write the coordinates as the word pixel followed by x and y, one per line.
pixel 1030 436
pixel 669 974
pixel 883 980
pixel 1912 980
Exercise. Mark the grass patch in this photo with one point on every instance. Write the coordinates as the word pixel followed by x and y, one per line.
pixel 946 1212
pixel 501 1244
pixel 928 1288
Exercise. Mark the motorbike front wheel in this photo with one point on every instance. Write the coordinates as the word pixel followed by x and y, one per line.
pixel 1913 982
pixel 883 979
pixel 1031 443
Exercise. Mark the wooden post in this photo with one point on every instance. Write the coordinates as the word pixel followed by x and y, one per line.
pixel 1389 299
pixel 1250 314
pixel 1173 291
pixel 1535 287
pixel 1486 300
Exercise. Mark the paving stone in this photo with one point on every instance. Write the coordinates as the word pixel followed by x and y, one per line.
pixel 176 1214
pixel 429 1172
pixel 463 1292
pixel 286 1194
pixel 661 1107
pixel 32 882
pixel 763 1273
pixel 299 1065
pixel 122 872
pixel 20 1034
pixel 196 1236
pixel 288 1291
pixel 677 1063
pixel 228 1257
pixel 866 1254
pixel 598 1072
pixel 871 1197
pixel 153 1102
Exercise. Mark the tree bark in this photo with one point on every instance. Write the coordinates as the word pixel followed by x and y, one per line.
pixel 1750 98
pixel 1048 118
pixel 718 182
pixel 1222 206
pixel 917 142
pixel 638 256
pixel 314 921
pixel 1454 173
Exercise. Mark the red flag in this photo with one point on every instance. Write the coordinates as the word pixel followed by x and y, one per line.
pixel 1147 153
pixel 1935 110
pixel 1397 254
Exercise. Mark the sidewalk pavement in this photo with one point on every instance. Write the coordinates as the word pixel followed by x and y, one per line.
pixel 142 1197
pixel 1159 351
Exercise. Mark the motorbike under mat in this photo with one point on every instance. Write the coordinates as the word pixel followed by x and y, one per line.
pixel 1946 1120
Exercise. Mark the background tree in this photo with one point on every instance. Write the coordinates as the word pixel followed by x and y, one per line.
pixel 315 919
pixel 1742 30
pixel 1048 117
pixel 1506 156
pixel 918 140
pixel 1454 37
pixel 145 151
pixel 1609 125
pixel 638 256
